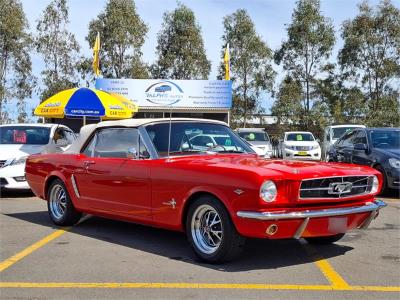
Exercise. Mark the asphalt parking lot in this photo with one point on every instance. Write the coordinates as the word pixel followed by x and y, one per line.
pixel 106 259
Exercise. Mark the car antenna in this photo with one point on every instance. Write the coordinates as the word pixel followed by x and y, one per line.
pixel 169 129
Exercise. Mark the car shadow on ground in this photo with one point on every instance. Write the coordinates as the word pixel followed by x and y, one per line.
pixel 4 193
pixel 258 253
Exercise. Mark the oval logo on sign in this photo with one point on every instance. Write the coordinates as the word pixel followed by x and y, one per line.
pixel 164 93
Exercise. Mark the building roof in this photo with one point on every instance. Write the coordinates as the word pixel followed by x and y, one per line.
pixel 87 130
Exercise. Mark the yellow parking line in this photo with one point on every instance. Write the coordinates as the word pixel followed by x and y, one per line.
pixel 178 285
pixel 20 255
pixel 326 268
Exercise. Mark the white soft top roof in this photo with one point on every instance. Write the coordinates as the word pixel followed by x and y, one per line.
pixel 86 131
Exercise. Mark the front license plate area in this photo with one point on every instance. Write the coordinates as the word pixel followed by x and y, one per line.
pixel 302 153
pixel 337 224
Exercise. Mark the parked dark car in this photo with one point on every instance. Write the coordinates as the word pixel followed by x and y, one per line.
pixel 375 147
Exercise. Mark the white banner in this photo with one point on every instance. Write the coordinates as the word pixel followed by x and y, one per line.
pixel 175 93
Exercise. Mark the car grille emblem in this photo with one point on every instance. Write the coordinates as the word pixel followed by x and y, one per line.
pixel 336 188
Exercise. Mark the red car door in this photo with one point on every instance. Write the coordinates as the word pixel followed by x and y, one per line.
pixel 113 182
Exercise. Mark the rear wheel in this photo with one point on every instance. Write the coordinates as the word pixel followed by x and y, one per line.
pixel 211 232
pixel 325 240
pixel 61 209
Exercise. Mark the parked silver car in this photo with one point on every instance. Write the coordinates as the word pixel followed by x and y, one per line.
pixel 258 138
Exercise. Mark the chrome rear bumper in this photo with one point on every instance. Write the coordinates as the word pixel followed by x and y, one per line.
pixel 372 207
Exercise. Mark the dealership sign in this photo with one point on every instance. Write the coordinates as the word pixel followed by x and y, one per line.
pixel 171 93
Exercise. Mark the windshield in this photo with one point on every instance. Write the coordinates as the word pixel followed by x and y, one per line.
pixel 254 136
pixel 300 137
pixel 389 139
pixel 28 135
pixel 339 131
pixel 189 137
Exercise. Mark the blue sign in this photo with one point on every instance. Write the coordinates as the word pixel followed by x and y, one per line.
pixel 171 93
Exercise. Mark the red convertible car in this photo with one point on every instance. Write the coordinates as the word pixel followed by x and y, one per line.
pixel 155 172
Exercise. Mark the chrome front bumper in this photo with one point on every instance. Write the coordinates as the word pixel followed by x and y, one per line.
pixel 372 207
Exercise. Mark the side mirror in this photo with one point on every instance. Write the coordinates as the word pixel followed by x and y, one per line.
pixel 132 153
pixel 185 146
pixel 210 145
pixel 360 147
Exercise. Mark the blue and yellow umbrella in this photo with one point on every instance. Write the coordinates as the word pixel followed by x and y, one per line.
pixel 86 102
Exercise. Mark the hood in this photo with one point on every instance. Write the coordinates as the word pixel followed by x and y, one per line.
pixel 285 169
pixel 261 143
pixel 17 151
pixel 301 143
pixel 395 153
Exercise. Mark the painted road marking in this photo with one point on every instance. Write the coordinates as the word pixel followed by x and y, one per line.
pixel 325 267
pixel 179 285
pixel 20 255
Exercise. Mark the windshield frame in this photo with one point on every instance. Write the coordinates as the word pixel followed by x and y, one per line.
pixel 232 134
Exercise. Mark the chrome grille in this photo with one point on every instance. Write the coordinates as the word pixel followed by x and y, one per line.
pixel 335 187
pixel 2 162
pixel 302 148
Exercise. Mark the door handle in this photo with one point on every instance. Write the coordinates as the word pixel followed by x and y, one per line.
pixel 87 163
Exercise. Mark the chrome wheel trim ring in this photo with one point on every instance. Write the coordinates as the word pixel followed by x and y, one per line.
pixel 58 201
pixel 206 229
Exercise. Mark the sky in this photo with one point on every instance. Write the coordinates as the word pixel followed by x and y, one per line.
pixel 269 16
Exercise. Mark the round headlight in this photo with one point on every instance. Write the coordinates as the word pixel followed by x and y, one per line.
pixel 268 191
pixel 375 184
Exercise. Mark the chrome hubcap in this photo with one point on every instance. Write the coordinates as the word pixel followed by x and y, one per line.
pixel 206 229
pixel 58 201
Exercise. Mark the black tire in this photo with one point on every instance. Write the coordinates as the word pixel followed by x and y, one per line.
pixel 384 176
pixel 231 243
pixel 61 212
pixel 325 240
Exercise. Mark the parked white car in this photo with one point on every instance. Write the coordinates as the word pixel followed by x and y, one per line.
pixel 18 141
pixel 332 134
pixel 259 140
pixel 299 145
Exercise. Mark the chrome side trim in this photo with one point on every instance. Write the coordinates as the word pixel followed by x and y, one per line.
pixel 74 186
pixel 266 216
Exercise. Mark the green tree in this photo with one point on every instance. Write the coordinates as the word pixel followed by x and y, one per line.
pixel 371 57
pixel 122 35
pixel 16 80
pixel 310 41
pixel 287 107
pixel 251 70
pixel 180 47
pixel 58 47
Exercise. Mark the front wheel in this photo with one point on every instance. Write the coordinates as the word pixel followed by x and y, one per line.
pixel 61 209
pixel 324 240
pixel 211 232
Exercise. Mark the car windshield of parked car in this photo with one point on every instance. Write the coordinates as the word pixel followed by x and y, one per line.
pixel 340 131
pixel 189 137
pixel 254 136
pixel 385 139
pixel 300 137
pixel 29 135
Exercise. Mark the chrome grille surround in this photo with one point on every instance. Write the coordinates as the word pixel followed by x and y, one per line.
pixel 323 188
